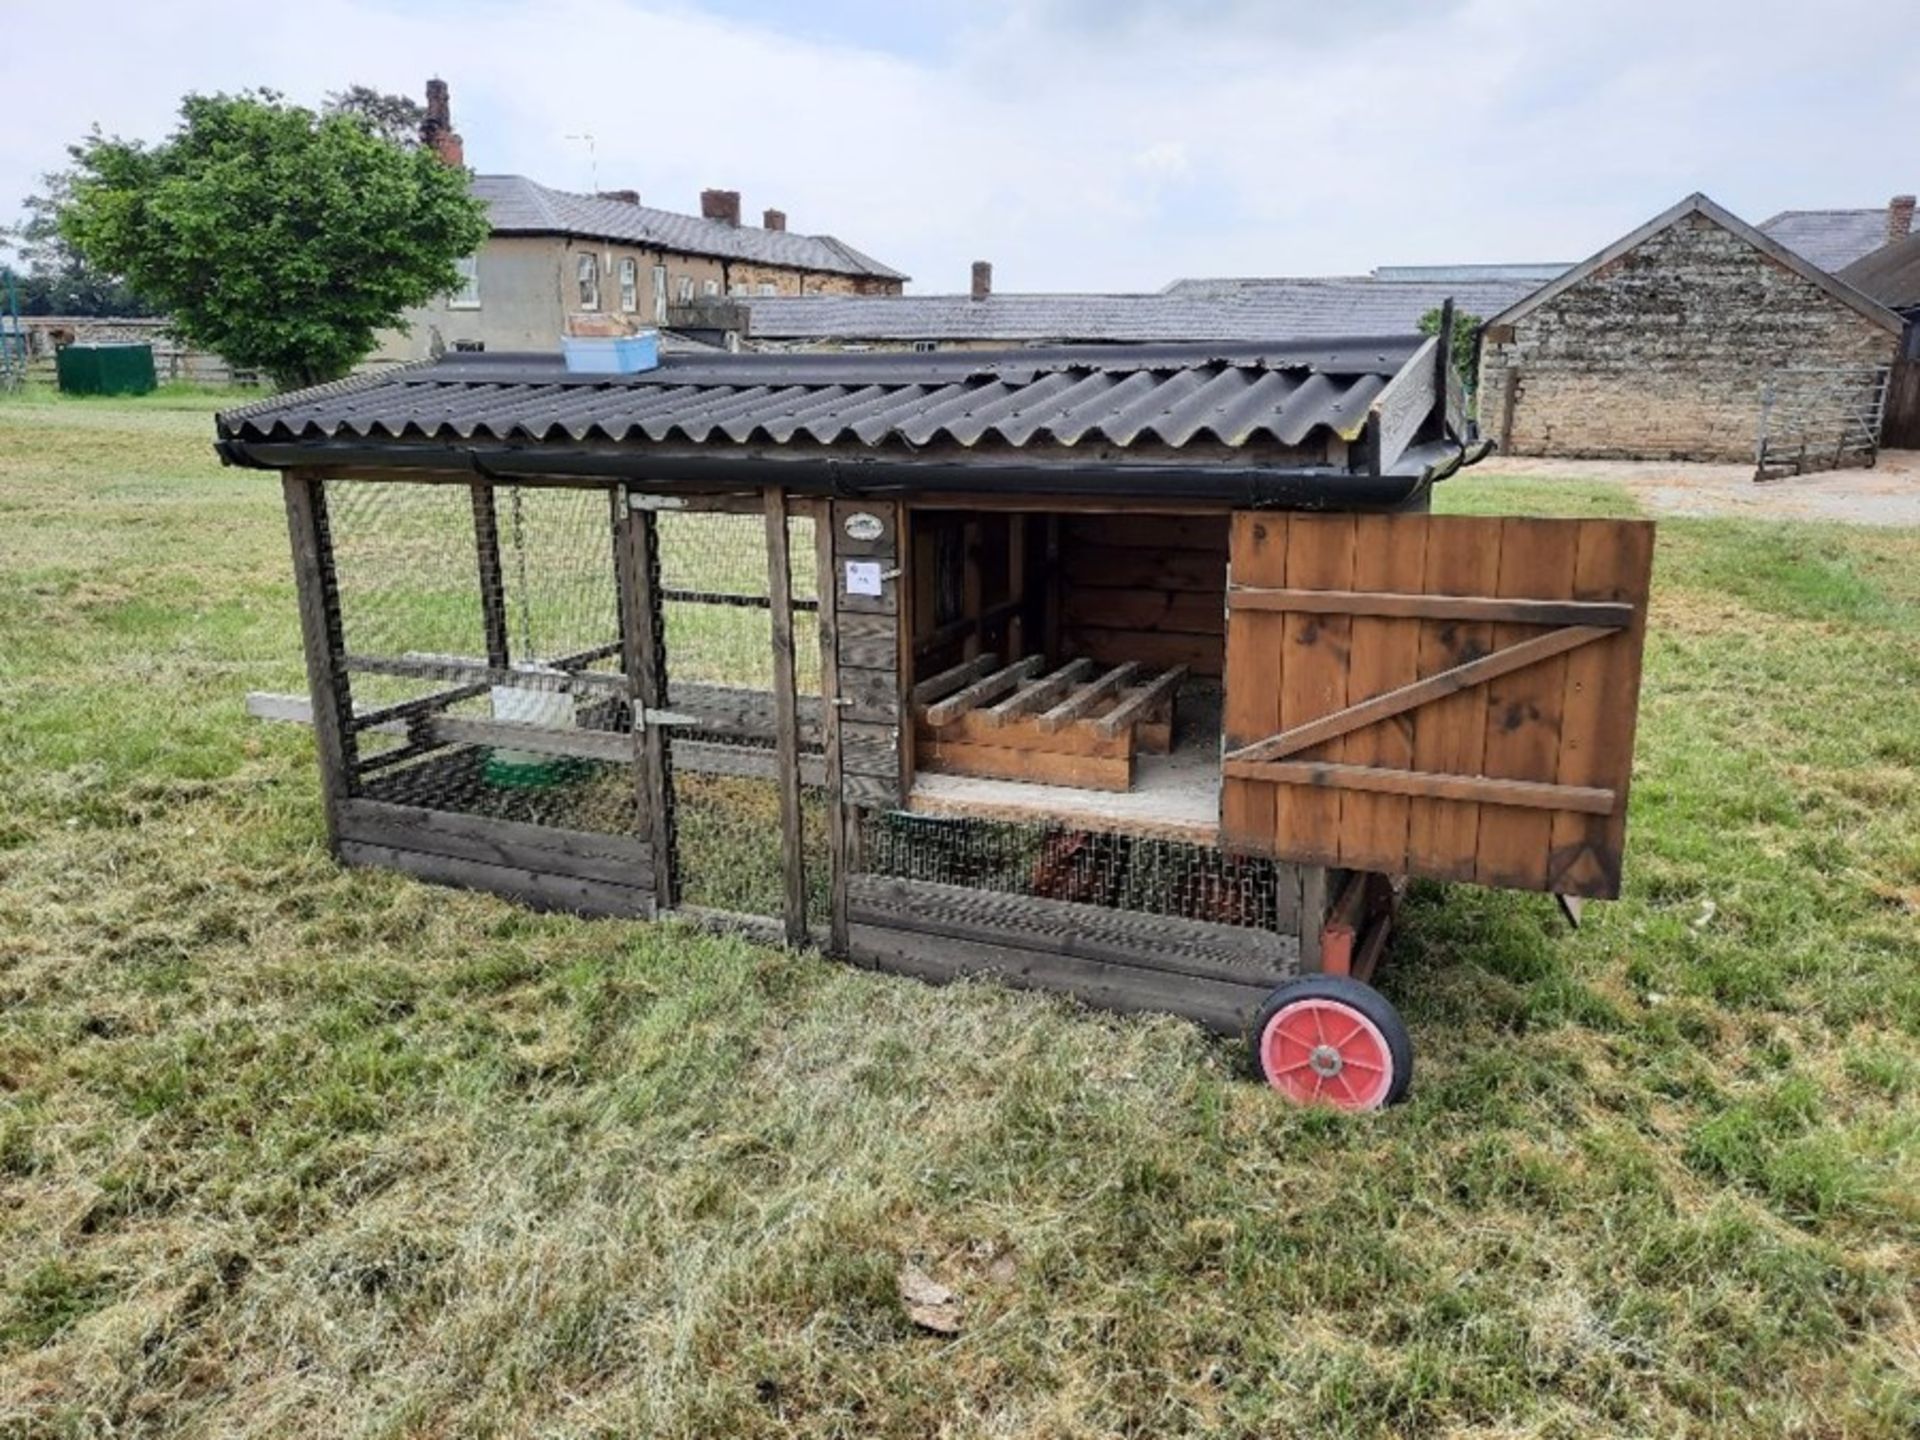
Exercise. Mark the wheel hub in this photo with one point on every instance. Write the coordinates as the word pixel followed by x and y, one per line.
pixel 1325 1061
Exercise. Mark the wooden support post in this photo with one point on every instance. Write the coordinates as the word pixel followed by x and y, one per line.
pixel 839 813
pixel 1314 897
pixel 493 595
pixel 320 638
pixel 641 657
pixel 1017 584
pixel 786 710
pixel 973 603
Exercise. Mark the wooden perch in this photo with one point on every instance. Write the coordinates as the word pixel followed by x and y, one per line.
pixel 1032 696
pixel 1077 704
pixel 947 681
pixel 998 683
pixel 1136 705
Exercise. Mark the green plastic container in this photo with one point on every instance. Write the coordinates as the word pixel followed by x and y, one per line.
pixel 105 369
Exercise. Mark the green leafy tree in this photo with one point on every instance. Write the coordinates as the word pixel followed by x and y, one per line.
pixel 1464 324
pixel 53 278
pixel 395 118
pixel 281 239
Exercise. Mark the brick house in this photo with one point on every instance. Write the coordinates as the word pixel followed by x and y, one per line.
pixel 553 253
pixel 1659 347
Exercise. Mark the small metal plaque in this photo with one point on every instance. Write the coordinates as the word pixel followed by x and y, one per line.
pixel 865 525
pixel 863 577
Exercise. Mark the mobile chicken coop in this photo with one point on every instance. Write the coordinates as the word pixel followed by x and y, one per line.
pixel 1136 672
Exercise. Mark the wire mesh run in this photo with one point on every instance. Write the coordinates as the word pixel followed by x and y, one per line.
pixel 1056 862
pixel 717 620
pixel 461 608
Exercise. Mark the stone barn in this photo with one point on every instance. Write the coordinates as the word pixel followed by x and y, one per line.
pixel 1663 345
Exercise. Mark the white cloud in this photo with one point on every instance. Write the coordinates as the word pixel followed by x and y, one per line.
pixel 1078 146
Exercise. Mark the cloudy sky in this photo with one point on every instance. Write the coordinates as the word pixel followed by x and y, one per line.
pixel 1078 144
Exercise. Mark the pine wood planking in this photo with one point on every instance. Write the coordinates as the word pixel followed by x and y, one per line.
pixel 1522 739
pixel 1318 652
pixel 1152 532
pixel 1041 767
pixel 1186 612
pixel 1254 658
pixel 1124 568
pixel 1385 656
pixel 1614 563
pixel 1462 558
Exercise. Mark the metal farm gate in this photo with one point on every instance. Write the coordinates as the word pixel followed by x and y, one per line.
pixel 1820 418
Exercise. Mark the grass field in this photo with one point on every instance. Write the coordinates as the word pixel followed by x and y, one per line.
pixel 288 1151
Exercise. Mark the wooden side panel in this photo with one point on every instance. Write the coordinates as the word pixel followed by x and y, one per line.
pixel 1523 709
pixel 870 647
pixel 1614 563
pixel 1253 675
pixel 1385 656
pixel 1450 697
pixel 1316 653
pixel 1450 735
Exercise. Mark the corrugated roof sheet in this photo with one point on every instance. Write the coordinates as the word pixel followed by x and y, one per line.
pixel 1198 310
pixel 1036 400
pixel 1831 239
pixel 519 206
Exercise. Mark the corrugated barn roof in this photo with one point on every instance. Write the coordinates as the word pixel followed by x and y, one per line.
pixel 1166 395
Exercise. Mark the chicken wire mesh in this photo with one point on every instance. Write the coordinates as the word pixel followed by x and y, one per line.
pixel 717 620
pixel 483 604
pixel 1058 862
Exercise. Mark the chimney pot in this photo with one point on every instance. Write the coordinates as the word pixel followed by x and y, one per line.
pixel 774 220
pixel 436 131
pixel 982 279
pixel 1899 218
pixel 721 205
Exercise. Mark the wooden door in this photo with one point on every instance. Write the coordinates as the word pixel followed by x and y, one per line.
pixel 1445 696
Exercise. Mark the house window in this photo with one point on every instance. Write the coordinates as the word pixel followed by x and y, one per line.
pixel 466 295
pixel 767 287
pixel 629 285
pixel 660 294
pixel 686 289
pixel 710 287
pixel 925 347
pixel 587 270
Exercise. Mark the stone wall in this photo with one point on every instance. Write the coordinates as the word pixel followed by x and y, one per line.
pixel 1663 352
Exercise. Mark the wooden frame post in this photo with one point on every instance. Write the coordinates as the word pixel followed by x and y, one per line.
pixel 839 814
pixel 493 595
pixel 786 712
pixel 320 638
pixel 637 571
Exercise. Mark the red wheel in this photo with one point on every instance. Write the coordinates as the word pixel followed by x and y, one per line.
pixel 1329 1040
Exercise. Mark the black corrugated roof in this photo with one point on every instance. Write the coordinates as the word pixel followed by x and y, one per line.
pixel 1037 400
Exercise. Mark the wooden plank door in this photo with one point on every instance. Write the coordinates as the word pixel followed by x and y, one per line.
pixel 1442 696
